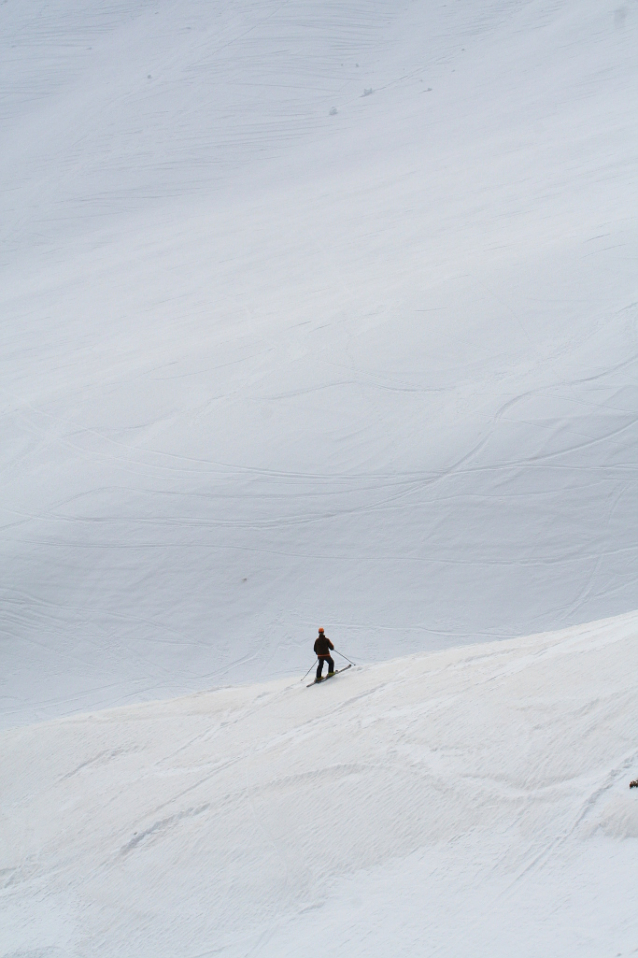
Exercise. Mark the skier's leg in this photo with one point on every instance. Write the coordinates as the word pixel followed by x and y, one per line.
pixel 319 668
pixel 331 664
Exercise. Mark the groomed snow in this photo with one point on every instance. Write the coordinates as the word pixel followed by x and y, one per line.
pixel 466 802
pixel 265 366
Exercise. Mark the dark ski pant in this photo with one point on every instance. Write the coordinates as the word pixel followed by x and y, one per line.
pixel 331 665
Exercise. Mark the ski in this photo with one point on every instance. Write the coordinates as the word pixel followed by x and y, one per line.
pixel 325 678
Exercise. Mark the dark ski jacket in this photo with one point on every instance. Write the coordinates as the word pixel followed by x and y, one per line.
pixel 323 645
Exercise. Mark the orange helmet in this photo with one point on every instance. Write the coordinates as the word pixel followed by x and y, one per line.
pixel 321 630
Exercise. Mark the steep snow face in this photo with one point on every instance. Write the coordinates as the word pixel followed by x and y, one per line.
pixel 314 313
pixel 472 801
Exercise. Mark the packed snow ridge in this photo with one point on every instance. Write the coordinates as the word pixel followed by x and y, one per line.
pixel 318 312
pixel 465 802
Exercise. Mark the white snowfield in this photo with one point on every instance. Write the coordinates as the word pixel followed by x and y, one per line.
pixel 318 312
pixel 473 801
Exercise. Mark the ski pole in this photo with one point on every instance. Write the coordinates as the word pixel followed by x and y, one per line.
pixel 344 656
pixel 308 672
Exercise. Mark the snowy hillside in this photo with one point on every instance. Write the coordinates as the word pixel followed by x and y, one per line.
pixel 313 313
pixel 318 312
pixel 466 802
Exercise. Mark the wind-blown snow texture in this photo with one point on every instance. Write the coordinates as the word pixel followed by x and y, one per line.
pixel 467 802
pixel 266 366
pixel 318 313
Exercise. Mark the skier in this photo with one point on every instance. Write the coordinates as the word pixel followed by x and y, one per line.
pixel 323 647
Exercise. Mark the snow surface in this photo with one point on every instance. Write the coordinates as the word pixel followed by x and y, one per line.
pixel 314 312
pixel 318 312
pixel 472 801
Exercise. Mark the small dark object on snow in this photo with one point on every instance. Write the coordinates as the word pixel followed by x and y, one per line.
pixel 323 648
pixel 634 784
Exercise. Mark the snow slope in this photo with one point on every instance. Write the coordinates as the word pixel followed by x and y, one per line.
pixel 265 366
pixel 466 802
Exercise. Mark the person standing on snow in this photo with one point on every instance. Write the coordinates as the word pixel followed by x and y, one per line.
pixel 323 647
